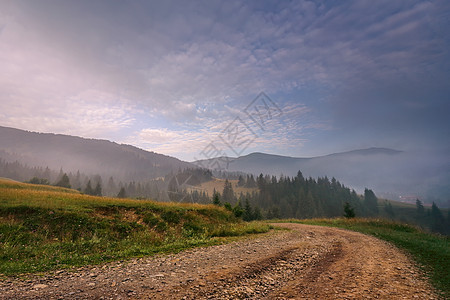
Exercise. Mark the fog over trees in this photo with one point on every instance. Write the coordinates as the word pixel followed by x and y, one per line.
pixel 104 168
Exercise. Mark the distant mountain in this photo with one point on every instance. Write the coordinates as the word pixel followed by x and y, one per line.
pixel 257 162
pixel 93 156
pixel 389 172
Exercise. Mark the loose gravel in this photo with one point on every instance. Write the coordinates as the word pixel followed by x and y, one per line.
pixel 306 262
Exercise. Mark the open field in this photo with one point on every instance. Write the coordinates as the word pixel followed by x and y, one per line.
pixel 44 228
pixel 218 185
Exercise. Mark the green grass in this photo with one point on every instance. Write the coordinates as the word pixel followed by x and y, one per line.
pixel 44 228
pixel 430 251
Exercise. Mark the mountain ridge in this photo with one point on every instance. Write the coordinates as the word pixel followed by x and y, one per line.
pixel 390 172
pixel 387 171
pixel 362 151
pixel 98 156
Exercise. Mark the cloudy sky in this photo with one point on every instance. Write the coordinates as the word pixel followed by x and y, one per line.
pixel 182 77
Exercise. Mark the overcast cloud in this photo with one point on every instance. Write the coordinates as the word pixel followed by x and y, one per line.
pixel 169 76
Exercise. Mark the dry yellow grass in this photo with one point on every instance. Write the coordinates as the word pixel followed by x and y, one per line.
pixel 19 194
pixel 218 185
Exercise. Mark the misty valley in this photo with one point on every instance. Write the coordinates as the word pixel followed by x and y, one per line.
pixel 224 149
pixel 250 186
pixel 99 208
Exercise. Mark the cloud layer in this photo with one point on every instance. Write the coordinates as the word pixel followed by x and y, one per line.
pixel 171 76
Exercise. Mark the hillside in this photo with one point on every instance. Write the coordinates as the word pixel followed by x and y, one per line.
pixel 391 173
pixel 44 227
pixel 91 156
pixel 67 235
pixel 256 163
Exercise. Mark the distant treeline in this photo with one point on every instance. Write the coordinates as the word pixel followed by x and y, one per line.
pixel 300 197
pixel 94 184
pixel 272 198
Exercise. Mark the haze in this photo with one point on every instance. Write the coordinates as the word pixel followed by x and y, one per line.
pixel 171 76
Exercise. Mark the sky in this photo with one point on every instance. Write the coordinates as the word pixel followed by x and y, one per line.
pixel 196 79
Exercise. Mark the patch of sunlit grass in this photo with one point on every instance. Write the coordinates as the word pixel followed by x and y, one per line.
pixel 44 228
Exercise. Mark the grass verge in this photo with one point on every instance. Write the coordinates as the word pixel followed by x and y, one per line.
pixel 45 228
pixel 430 251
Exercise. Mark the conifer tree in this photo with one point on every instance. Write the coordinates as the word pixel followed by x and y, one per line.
pixel 228 193
pixel 251 183
pixel 216 199
pixel 437 220
pixel 389 209
pixel 64 181
pixel 98 189
pixel 111 187
pixel 88 190
pixel 349 212
pixel 237 210
pixel 370 202
pixel 248 211
pixel 122 193
pixel 257 213
pixel 420 210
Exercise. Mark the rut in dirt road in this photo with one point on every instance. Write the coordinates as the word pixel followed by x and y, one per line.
pixel 307 262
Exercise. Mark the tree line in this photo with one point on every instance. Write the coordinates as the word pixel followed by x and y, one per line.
pixel 94 184
pixel 283 197
pixel 300 197
pixel 433 218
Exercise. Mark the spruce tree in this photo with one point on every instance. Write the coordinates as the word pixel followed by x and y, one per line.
pixel 122 193
pixel 248 211
pixel 370 202
pixel 228 193
pixel 111 187
pixel 216 199
pixel 420 210
pixel 349 212
pixel 250 182
pixel 437 220
pixel 98 189
pixel 237 210
pixel 88 190
pixel 228 206
pixel 257 213
pixel 64 181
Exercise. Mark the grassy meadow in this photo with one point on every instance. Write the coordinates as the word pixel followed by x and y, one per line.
pixel 218 184
pixel 44 228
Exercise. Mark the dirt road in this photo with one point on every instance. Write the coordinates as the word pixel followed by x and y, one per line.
pixel 307 262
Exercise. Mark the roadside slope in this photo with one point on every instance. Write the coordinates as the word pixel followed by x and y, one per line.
pixel 46 228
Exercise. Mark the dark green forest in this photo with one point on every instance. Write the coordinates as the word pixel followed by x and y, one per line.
pixel 301 198
pixel 304 198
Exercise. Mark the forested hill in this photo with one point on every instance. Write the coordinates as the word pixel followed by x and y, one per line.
pixel 123 162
